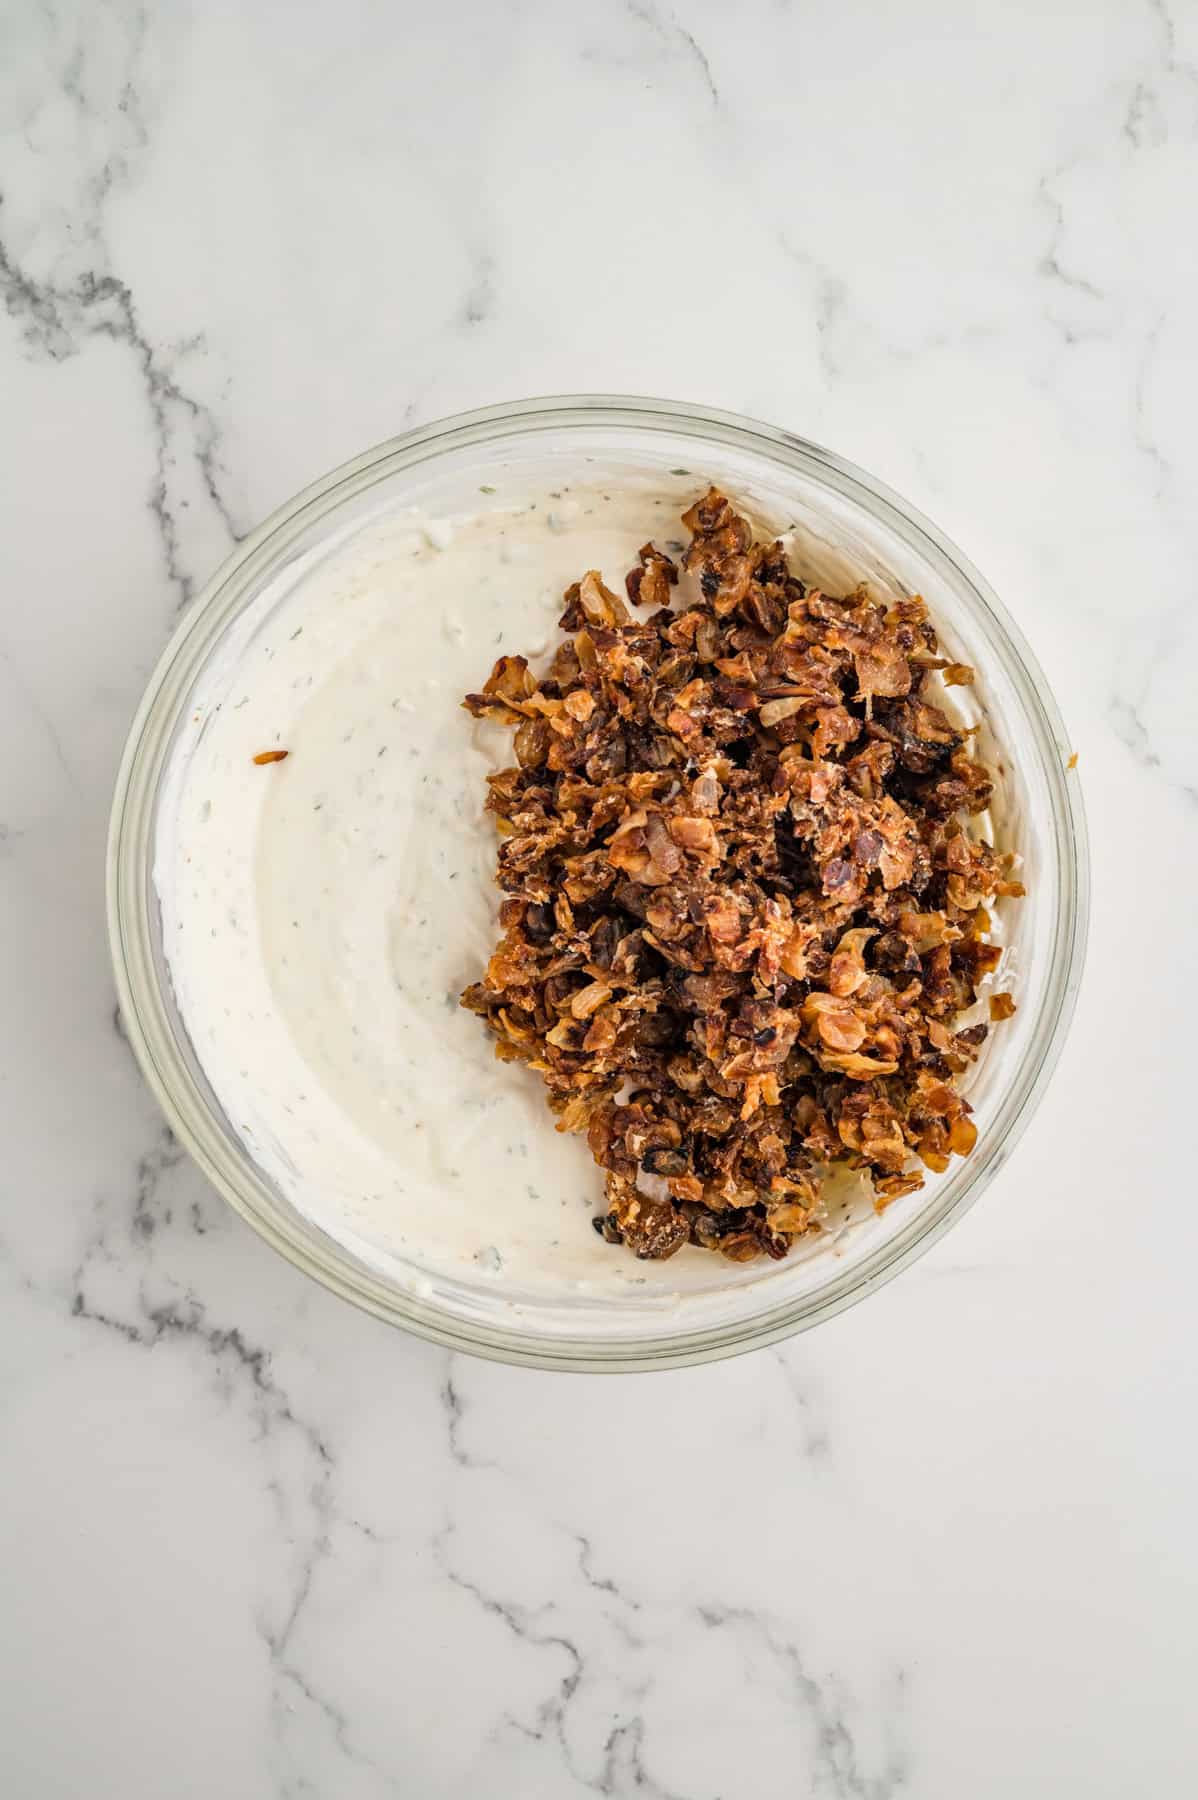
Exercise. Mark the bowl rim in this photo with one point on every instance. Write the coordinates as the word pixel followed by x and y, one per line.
pixel 139 990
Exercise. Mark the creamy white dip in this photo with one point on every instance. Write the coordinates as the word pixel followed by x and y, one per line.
pixel 322 914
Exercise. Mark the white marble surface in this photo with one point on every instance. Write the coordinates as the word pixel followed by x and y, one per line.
pixel 254 1544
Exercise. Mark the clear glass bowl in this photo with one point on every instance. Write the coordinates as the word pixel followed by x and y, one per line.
pixel 848 527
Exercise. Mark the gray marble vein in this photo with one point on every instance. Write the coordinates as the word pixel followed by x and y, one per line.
pixel 836 1767
pixel 67 293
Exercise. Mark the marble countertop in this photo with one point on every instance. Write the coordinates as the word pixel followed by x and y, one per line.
pixel 255 1544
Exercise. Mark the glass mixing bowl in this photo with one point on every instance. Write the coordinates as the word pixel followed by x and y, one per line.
pixel 846 527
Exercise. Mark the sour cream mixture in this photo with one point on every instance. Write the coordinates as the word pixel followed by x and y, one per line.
pixel 322 913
